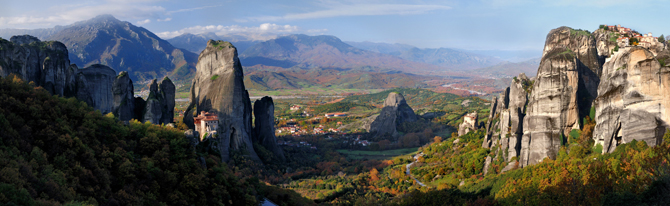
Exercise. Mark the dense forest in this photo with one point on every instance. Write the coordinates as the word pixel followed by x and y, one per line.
pixel 56 151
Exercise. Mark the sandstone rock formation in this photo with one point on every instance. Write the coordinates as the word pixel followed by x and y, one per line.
pixel 218 87
pixel 47 65
pixel 604 43
pixel 264 126
pixel 566 85
pixel 44 63
pixel 124 98
pixel 159 107
pixel 395 112
pixel 168 90
pixel 100 79
pixel 633 99
pixel 535 114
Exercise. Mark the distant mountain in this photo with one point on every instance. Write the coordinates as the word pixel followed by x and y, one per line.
pixel 510 55
pixel 121 46
pixel 384 48
pixel 510 69
pixel 327 52
pixel 265 80
pixel 197 42
pixel 444 57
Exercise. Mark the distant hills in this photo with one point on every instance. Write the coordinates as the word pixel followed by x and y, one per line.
pixel 120 45
pixel 197 42
pixel 510 69
pixel 443 57
pixel 299 50
pixel 278 63
pixel 296 78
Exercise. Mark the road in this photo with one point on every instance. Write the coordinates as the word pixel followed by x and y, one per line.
pixel 410 174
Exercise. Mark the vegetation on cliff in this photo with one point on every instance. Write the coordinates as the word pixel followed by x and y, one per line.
pixel 55 151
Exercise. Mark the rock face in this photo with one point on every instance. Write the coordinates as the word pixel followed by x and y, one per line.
pixel 604 45
pixel 47 65
pixel 633 100
pixel 100 79
pixel 168 90
pixel 469 123
pixel 218 87
pixel 394 112
pixel 159 107
pixel 264 126
pixel 535 114
pixel 566 85
pixel 124 98
pixel 44 63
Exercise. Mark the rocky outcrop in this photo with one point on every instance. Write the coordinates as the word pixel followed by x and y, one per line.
pixel 218 87
pixel 505 136
pixel 469 124
pixel 605 43
pixel 565 87
pixel 633 100
pixel 44 63
pixel 168 90
pixel 159 107
pixel 264 126
pixel 100 79
pixel 535 114
pixel 47 65
pixel 395 112
pixel 124 98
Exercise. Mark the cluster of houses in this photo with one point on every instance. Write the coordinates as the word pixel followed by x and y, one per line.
pixel 336 114
pixel 298 130
pixel 644 40
pixel 298 144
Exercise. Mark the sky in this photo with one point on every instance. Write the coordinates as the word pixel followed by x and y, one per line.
pixel 464 24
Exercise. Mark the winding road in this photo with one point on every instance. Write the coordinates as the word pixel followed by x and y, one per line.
pixel 410 174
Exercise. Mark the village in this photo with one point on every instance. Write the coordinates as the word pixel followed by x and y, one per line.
pixel 629 37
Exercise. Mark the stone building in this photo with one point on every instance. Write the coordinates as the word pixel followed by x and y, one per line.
pixel 206 123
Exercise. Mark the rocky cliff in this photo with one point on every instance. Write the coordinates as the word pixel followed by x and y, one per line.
pixel 566 85
pixel 605 43
pixel 533 116
pixel 264 126
pixel 395 112
pixel 157 109
pixel 504 129
pixel 124 98
pixel 100 79
pixel 44 63
pixel 47 65
pixel 218 87
pixel 633 99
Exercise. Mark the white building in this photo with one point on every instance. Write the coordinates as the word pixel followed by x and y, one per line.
pixel 206 123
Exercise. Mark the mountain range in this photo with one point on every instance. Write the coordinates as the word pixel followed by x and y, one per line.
pixel 197 42
pixel 119 45
pixel 145 56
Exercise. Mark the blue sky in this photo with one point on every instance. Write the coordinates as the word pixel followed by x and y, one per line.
pixel 473 24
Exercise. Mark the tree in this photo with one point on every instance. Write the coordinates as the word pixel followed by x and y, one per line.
pixel 374 175
pixel 661 39
pixel 437 139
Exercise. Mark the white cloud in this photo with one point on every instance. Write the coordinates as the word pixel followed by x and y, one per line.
pixel 146 21
pixel 354 10
pixel 192 9
pixel 264 31
pixel 140 11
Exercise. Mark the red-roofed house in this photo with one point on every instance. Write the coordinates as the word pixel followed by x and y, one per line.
pixel 206 123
